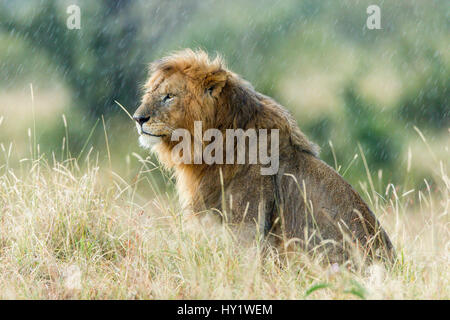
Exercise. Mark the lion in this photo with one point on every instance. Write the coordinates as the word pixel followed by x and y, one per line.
pixel 306 202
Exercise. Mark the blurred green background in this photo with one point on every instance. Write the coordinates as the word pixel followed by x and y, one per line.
pixel 344 83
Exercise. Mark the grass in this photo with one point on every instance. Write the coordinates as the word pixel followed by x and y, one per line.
pixel 73 229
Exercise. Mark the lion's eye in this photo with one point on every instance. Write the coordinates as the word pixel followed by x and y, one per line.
pixel 167 97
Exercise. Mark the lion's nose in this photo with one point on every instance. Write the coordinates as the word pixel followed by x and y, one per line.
pixel 141 119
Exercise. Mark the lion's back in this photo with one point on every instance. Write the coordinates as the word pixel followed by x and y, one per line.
pixel 316 197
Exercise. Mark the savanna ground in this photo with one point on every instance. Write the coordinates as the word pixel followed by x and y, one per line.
pixel 71 226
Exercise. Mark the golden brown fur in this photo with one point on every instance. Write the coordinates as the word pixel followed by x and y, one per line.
pixel 306 200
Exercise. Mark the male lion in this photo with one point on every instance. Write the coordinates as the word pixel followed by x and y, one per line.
pixel 306 200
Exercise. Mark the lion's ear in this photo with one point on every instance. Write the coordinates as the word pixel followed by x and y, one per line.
pixel 215 82
pixel 215 89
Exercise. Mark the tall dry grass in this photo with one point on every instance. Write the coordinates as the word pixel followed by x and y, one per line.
pixel 73 228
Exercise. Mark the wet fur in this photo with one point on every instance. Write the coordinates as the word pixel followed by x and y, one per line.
pixel 306 200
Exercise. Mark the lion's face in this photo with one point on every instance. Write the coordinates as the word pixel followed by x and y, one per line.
pixel 174 100
pixel 161 109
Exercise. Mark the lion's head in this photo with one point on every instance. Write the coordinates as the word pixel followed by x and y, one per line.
pixel 181 89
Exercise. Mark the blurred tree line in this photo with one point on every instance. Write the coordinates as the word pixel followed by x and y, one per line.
pixel 104 60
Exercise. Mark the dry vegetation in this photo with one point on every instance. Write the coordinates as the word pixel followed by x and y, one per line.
pixel 71 232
